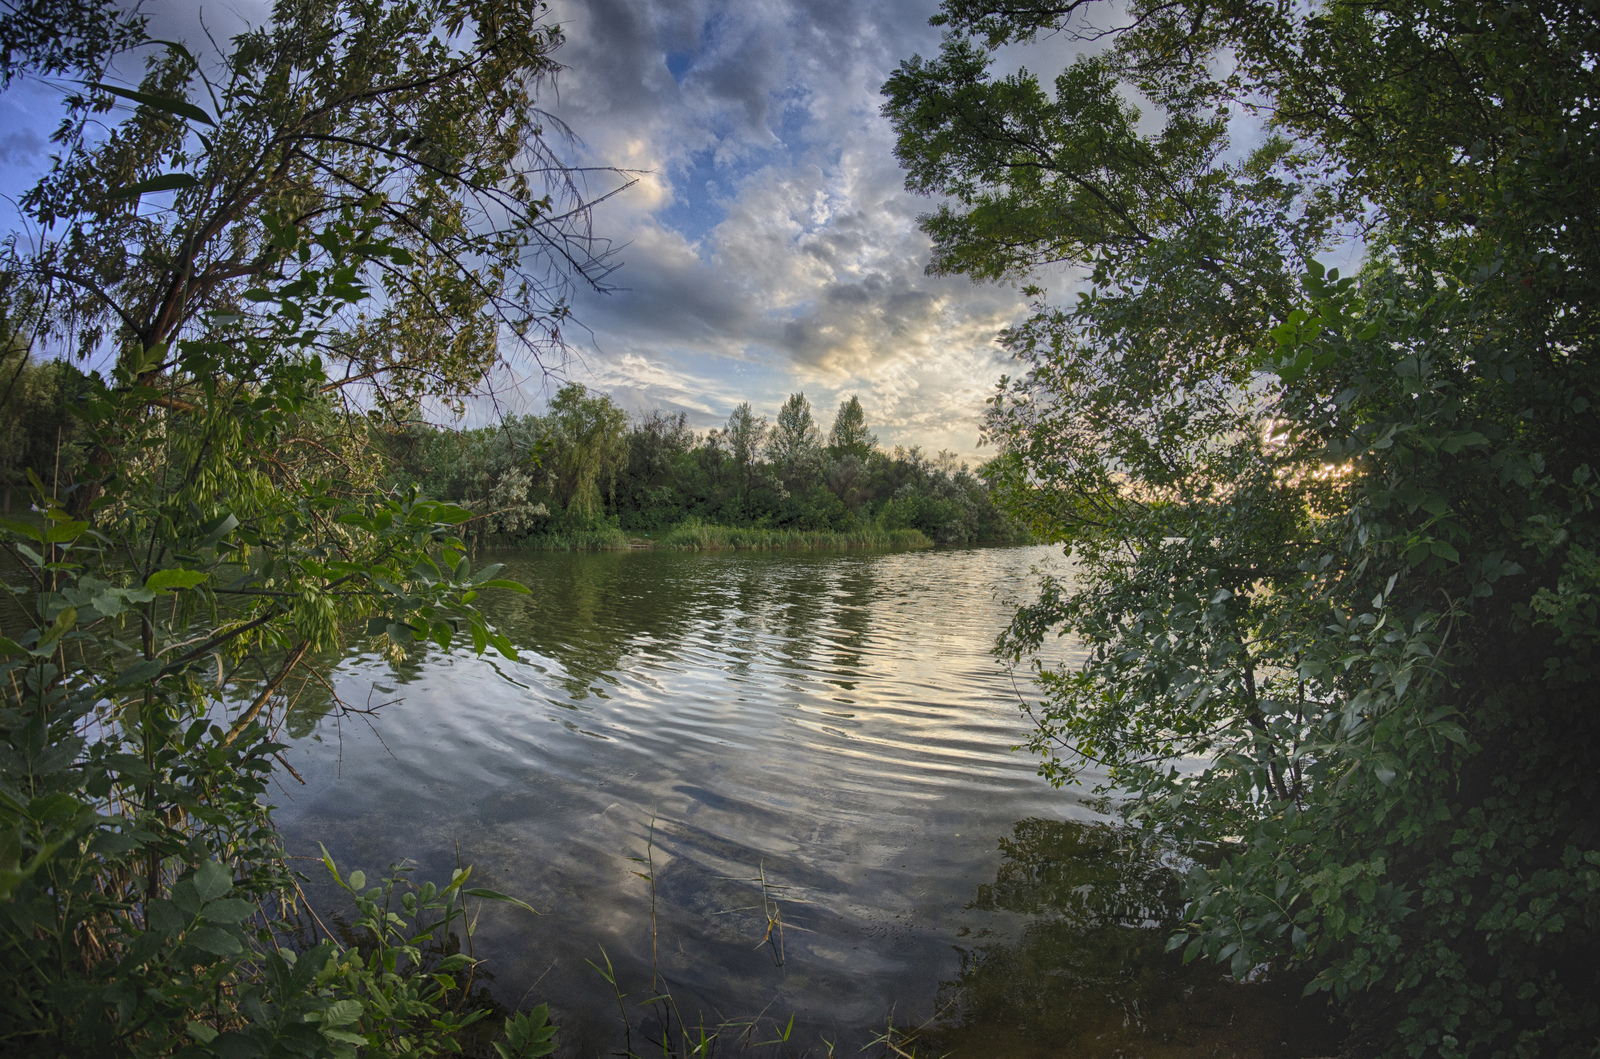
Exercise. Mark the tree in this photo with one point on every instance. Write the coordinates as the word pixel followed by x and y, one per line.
pixel 358 200
pixel 849 435
pixel 413 126
pixel 795 442
pixel 588 445
pixel 745 439
pixel 1332 534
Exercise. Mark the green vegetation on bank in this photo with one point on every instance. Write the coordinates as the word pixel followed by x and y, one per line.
pixel 693 535
pixel 586 475
pixel 256 247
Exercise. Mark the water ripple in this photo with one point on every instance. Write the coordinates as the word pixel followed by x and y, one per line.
pixel 833 720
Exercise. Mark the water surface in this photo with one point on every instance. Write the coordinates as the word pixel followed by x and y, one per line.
pixel 831 722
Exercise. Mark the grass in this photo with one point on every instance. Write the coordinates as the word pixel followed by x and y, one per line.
pixel 605 539
pixel 694 535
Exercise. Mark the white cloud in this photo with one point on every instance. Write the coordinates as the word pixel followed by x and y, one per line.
pixel 772 246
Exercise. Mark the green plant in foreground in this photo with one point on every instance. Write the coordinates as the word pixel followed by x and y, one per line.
pixel 1334 585
pixel 249 263
pixel 399 995
pixel 527 1035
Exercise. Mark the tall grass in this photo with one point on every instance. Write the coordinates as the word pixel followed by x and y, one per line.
pixel 603 539
pixel 695 535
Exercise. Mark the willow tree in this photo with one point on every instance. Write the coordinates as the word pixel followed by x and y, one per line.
pixel 357 206
pixel 1335 536
pixel 587 444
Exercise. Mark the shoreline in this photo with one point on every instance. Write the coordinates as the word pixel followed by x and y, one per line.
pixel 699 536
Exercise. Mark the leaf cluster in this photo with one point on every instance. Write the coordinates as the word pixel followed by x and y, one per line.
pixel 1332 536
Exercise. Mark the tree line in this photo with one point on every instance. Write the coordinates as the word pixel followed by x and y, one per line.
pixel 585 464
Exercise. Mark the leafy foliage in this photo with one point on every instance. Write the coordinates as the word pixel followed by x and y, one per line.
pixel 1333 536
pixel 226 524
pixel 584 471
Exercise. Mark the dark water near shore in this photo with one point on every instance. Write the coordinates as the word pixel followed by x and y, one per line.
pixel 832 722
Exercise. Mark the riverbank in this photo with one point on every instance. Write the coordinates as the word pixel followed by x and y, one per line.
pixel 693 535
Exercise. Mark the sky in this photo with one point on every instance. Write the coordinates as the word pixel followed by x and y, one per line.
pixel 768 243
pixel 772 247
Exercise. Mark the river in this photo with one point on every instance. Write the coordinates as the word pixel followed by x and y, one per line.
pixel 830 723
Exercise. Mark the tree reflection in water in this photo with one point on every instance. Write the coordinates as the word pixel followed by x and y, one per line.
pixel 1088 974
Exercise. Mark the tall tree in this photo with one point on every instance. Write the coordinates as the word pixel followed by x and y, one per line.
pixel 1331 534
pixel 414 125
pixel 849 435
pixel 745 438
pixel 795 442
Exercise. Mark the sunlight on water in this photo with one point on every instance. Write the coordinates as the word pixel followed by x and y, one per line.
pixel 834 721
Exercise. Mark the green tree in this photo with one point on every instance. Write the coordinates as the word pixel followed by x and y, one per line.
pixel 849 435
pixel 795 445
pixel 1334 535
pixel 415 124
pixel 659 445
pixel 745 438
pixel 346 204
pixel 588 445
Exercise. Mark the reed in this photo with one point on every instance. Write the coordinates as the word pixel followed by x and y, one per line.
pixel 601 539
pixel 696 535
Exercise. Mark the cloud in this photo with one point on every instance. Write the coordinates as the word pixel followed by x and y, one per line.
pixel 21 147
pixel 771 244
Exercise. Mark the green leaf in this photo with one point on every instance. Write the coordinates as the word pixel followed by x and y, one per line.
pixel 22 529
pixel 10 860
pixel 345 1037
pixel 228 910
pixel 496 895
pixel 212 880
pixel 64 621
pixel 137 674
pixel 65 531
pixel 163 182
pixel 176 578
pixel 218 528
pixel 341 1013
pixel 169 104
pixel 214 940
pixel 510 586
pixel 327 860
